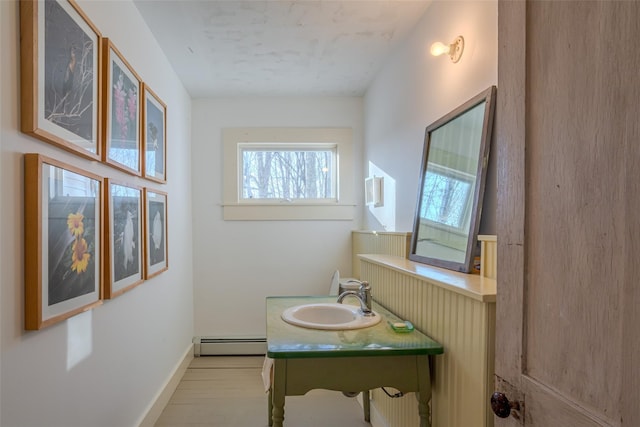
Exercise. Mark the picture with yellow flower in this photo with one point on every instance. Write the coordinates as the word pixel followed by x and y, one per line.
pixel 63 224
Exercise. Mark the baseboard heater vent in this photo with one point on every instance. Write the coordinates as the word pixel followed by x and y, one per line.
pixel 203 346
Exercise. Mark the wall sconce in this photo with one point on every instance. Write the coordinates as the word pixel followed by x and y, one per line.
pixel 454 50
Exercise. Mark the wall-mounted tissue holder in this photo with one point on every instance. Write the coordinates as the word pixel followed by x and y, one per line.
pixel 373 191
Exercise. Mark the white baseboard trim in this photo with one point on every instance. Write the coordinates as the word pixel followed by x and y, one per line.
pixel 376 420
pixel 161 399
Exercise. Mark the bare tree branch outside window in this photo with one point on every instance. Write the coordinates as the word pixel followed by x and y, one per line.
pixel 445 202
pixel 287 174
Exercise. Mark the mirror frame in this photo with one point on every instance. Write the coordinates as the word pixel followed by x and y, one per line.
pixel 488 97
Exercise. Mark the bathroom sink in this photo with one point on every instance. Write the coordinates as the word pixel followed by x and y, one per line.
pixel 329 316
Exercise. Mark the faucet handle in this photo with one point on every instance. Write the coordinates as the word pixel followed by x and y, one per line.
pixel 365 294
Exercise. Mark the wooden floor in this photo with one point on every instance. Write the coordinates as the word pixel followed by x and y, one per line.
pixel 227 391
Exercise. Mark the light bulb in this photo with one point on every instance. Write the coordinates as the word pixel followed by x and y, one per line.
pixel 438 49
pixel 454 50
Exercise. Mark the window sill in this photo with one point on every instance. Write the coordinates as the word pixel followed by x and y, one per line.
pixel 295 212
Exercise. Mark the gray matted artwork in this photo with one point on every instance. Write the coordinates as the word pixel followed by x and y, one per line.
pixel 155 139
pixel 72 238
pixel 123 147
pixel 63 229
pixel 126 237
pixel 156 232
pixel 156 247
pixel 69 73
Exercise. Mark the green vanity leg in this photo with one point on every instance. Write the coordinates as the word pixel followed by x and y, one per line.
pixel 424 394
pixel 366 405
pixel 423 410
pixel 270 406
pixel 278 392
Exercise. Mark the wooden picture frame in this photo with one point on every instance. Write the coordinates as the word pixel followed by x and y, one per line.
pixel 63 232
pixel 123 242
pixel 154 136
pixel 155 231
pixel 122 138
pixel 60 69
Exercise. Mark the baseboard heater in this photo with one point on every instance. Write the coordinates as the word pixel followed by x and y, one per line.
pixel 203 346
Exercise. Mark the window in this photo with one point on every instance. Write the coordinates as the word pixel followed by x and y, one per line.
pixel 288 173
pixel 447 203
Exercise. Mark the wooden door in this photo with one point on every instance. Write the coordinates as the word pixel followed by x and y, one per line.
pixel 568 142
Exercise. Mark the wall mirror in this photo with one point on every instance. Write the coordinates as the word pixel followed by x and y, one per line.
pixel 454 163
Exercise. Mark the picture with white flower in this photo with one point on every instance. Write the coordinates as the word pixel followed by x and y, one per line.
pixel 123 238
pixel 156 252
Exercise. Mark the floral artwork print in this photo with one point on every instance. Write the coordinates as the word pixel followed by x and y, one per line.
pixel 68 73
pixel 71 248
pixel 156 232
pixel 125 107
pixel 155 138
pixel 125 238
pixel 156 247
pixel 79 251
pixel 124 139
pixel 63 229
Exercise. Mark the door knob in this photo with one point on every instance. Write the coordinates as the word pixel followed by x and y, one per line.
pixel 501 405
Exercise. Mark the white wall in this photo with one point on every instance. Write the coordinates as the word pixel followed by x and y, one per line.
pixel 134 341
pixel 413 90
pixel 239 263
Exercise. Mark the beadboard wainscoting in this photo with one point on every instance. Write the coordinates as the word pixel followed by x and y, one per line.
pixel 378 242
pixel 457 310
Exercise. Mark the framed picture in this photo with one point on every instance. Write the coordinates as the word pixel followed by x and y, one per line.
pixel 122 117
pixel 60 54
pixel 154 131
pixel 63 228
pixel 122 238
pixel 155 231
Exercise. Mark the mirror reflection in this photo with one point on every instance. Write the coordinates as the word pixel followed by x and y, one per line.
pixel 450 194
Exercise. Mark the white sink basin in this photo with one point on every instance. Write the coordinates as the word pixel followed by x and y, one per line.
pixel 330 316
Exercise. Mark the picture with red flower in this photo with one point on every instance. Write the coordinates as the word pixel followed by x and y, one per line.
pixel 122 115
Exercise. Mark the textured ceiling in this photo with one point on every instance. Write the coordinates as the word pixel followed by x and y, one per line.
pixel 274 47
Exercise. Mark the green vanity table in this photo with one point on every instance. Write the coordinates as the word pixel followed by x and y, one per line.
pixel 355 360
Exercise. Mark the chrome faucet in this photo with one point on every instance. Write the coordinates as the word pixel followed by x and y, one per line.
pixel 364 298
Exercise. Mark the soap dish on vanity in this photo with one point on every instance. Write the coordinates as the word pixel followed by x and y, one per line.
pixel 401 327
